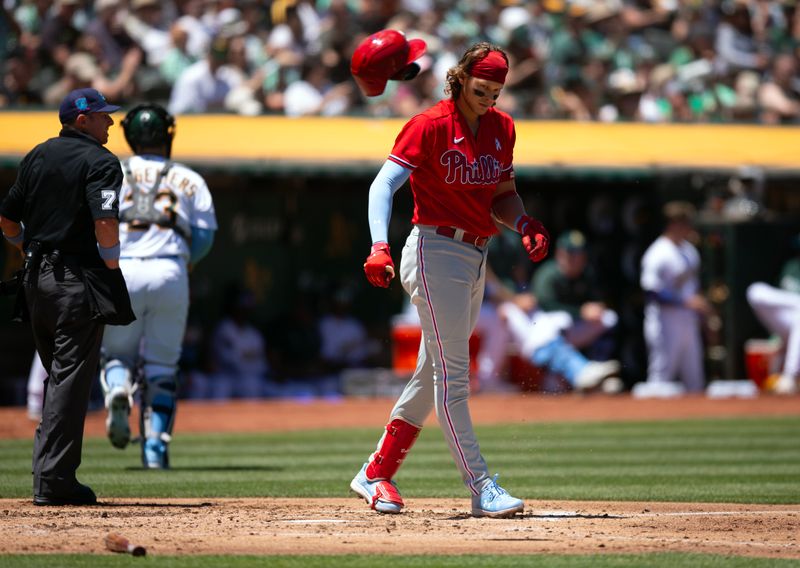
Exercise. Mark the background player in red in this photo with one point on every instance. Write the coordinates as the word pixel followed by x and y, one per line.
pixel 459 157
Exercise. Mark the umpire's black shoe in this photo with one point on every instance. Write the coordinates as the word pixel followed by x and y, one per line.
pixel 81 495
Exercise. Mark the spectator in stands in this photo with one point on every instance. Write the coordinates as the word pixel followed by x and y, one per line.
pixel 567 283
pixel 736 45
pixel 525 68
pixel 106 38
pixel 190 22
pixel 59 36
pixel 178 57
pixel 147 25
pixel 285 52
pixel 313 94
pixel 412 97
pixel 30 17
pixel 675 306
pixel 203 86
pixel 19 70
pixel 572 60
pixel 625 88
pixel 338 30
pixel 81 70
pixel 779 95
pixel 778 308
pixel 246 93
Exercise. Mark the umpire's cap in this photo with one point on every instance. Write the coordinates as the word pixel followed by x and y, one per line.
pixel 385 55
pixel 83 101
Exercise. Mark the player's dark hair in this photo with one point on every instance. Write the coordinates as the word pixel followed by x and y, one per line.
pixel 475 53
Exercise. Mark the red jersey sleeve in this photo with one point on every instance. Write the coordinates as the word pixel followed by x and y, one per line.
pixel 414 143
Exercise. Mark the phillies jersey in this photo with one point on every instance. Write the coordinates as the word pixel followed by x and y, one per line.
pixel 454 174
pixel 181 196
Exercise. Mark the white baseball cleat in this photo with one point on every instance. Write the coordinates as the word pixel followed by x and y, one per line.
pixel 381 495
pixel 495 502
pixel 786 384
pixel 612 385
pixel 594 372
pixel 118 403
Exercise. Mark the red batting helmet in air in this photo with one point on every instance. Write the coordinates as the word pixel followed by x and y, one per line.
pixel 384 55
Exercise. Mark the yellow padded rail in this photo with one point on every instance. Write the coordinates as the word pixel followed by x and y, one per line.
pixel 230 138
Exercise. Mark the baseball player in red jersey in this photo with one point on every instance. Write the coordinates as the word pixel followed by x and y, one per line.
pixel 459 157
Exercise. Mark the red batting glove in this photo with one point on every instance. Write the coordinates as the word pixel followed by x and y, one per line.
pixel 379 267
pixel 535 238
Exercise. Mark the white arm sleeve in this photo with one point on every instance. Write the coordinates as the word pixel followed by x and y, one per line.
pixel 389 179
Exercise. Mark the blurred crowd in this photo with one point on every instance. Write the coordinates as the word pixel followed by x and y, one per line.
pixel 604 60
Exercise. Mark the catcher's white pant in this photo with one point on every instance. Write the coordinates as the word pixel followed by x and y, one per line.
pixel 445 279
pixel 159 291
pixel 674 346
pixel 36 379
pixel 779 311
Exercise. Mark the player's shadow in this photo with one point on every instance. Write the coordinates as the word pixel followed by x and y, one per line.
pixel 212 468
pixel 571 516
pixel 148 505
pixel 464 516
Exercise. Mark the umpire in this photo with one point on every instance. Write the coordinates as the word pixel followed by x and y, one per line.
pixel 62 211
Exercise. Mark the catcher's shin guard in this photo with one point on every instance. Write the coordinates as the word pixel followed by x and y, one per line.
pixel 395 443
pixel 157 419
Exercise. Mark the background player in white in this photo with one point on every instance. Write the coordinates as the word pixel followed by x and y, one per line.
pixel 167 224
pixel 674 304
pixel 779 310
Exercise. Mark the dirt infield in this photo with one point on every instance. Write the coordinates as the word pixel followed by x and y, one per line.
pixel 429 526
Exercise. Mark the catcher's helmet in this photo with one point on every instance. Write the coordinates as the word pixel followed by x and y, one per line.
pixel 149 126
pixel 385 55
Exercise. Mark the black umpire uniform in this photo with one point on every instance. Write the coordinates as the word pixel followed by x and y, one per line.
pixel 63 187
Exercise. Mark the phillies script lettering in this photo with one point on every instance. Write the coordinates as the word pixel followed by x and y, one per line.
pixel 484 169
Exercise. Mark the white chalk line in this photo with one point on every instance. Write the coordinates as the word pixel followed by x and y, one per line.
pixel 560 515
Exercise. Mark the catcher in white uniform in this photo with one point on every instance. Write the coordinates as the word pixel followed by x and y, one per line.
pixel 671 281
pixel 167 224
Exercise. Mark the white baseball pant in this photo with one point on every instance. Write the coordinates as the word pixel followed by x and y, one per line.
pixel 159 291
pixel 779 311
pixel 674 346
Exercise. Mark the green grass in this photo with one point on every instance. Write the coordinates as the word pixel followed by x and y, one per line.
pixel 743 460
pixel 660 560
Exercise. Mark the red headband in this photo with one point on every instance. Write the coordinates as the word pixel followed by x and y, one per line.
pixel 492 67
